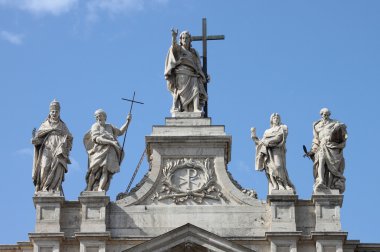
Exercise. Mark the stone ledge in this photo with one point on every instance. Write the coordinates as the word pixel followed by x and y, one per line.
pixel 328 199
pixel 47 236
pixel 93 235
pixel 282 198
pixel 328 235
pixel 185 130
pixel 189 138
pixel 89 197
pixel 296 234
pixel 177 114
pixel 186 121
pixel 48 198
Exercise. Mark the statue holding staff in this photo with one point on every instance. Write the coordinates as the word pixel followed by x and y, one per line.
pixel 104 152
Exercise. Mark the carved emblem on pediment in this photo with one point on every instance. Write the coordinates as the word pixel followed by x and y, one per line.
pixel 188 179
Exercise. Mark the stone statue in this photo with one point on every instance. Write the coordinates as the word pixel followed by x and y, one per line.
pixel 184 75
pixel 270 154
pixel 104 152
pixel 327 153
pixel 52 144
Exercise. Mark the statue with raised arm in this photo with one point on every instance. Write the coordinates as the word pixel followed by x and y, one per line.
pixel 270 154
pixel 184 75
pixel 104 152
pixel 329 140
pixel 52 144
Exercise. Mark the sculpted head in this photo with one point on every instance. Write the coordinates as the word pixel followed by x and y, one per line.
pixel 54 110
pixel 275 119
pixel 185 39
pixel 325 113
pixel 100 116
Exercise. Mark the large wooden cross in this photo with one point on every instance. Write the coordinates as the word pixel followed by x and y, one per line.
pixel 204 39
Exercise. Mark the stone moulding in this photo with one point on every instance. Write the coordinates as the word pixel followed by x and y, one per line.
pixel 198 182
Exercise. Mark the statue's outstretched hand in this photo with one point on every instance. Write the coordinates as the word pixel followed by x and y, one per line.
pixel 253 132
pixel 174 33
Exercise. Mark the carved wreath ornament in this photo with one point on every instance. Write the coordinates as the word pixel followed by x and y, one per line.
pixel 188 179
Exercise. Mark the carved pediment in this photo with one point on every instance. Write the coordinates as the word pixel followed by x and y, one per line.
pixel 189 238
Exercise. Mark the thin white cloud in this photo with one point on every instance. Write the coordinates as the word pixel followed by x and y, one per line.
pixel 25 152
pixel 113 7
pixel 12 38
pixel 54 7
pixel 41 7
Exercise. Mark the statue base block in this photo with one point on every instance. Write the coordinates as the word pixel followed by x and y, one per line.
pixel 282 207
pixel 187 114
pixel 93 211
pixel 48 211
pixel 327 211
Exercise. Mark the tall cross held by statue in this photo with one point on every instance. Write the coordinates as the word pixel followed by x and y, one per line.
pixel 130 111
pixel 204 39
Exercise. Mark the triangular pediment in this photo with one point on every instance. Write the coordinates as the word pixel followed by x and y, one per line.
pixel 189 238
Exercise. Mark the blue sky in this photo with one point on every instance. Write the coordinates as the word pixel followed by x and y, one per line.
pixel 290 57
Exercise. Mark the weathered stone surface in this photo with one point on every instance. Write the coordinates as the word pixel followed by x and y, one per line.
pixel 48 212
pixel 104 152
pixel 93 211
pixel 327 154
pixel 188 201
pixel 52 144
pixel 184 76
pixel 271 155
pixel 327 211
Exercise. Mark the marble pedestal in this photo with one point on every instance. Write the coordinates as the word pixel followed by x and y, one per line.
pixel 328 233
pixel 327 211
pixel 48 235
pixel 93 234
pixel 283 234
pixel 282 206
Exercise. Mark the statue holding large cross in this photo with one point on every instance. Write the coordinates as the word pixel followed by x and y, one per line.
pixel 104 151
pixel 186 77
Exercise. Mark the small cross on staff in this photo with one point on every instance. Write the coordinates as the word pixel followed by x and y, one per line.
pixel 204 39
pixel 130 111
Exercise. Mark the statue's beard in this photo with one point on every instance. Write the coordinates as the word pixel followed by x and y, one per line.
pixel 53 120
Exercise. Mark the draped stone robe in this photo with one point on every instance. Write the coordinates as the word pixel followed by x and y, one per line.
pixel 53 142
pixel 272 158
pixel 102 157
pixel 328 143
pixel 185 78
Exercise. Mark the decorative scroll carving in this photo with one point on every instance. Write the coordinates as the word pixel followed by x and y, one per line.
pixel 249 192
pixel 189 179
